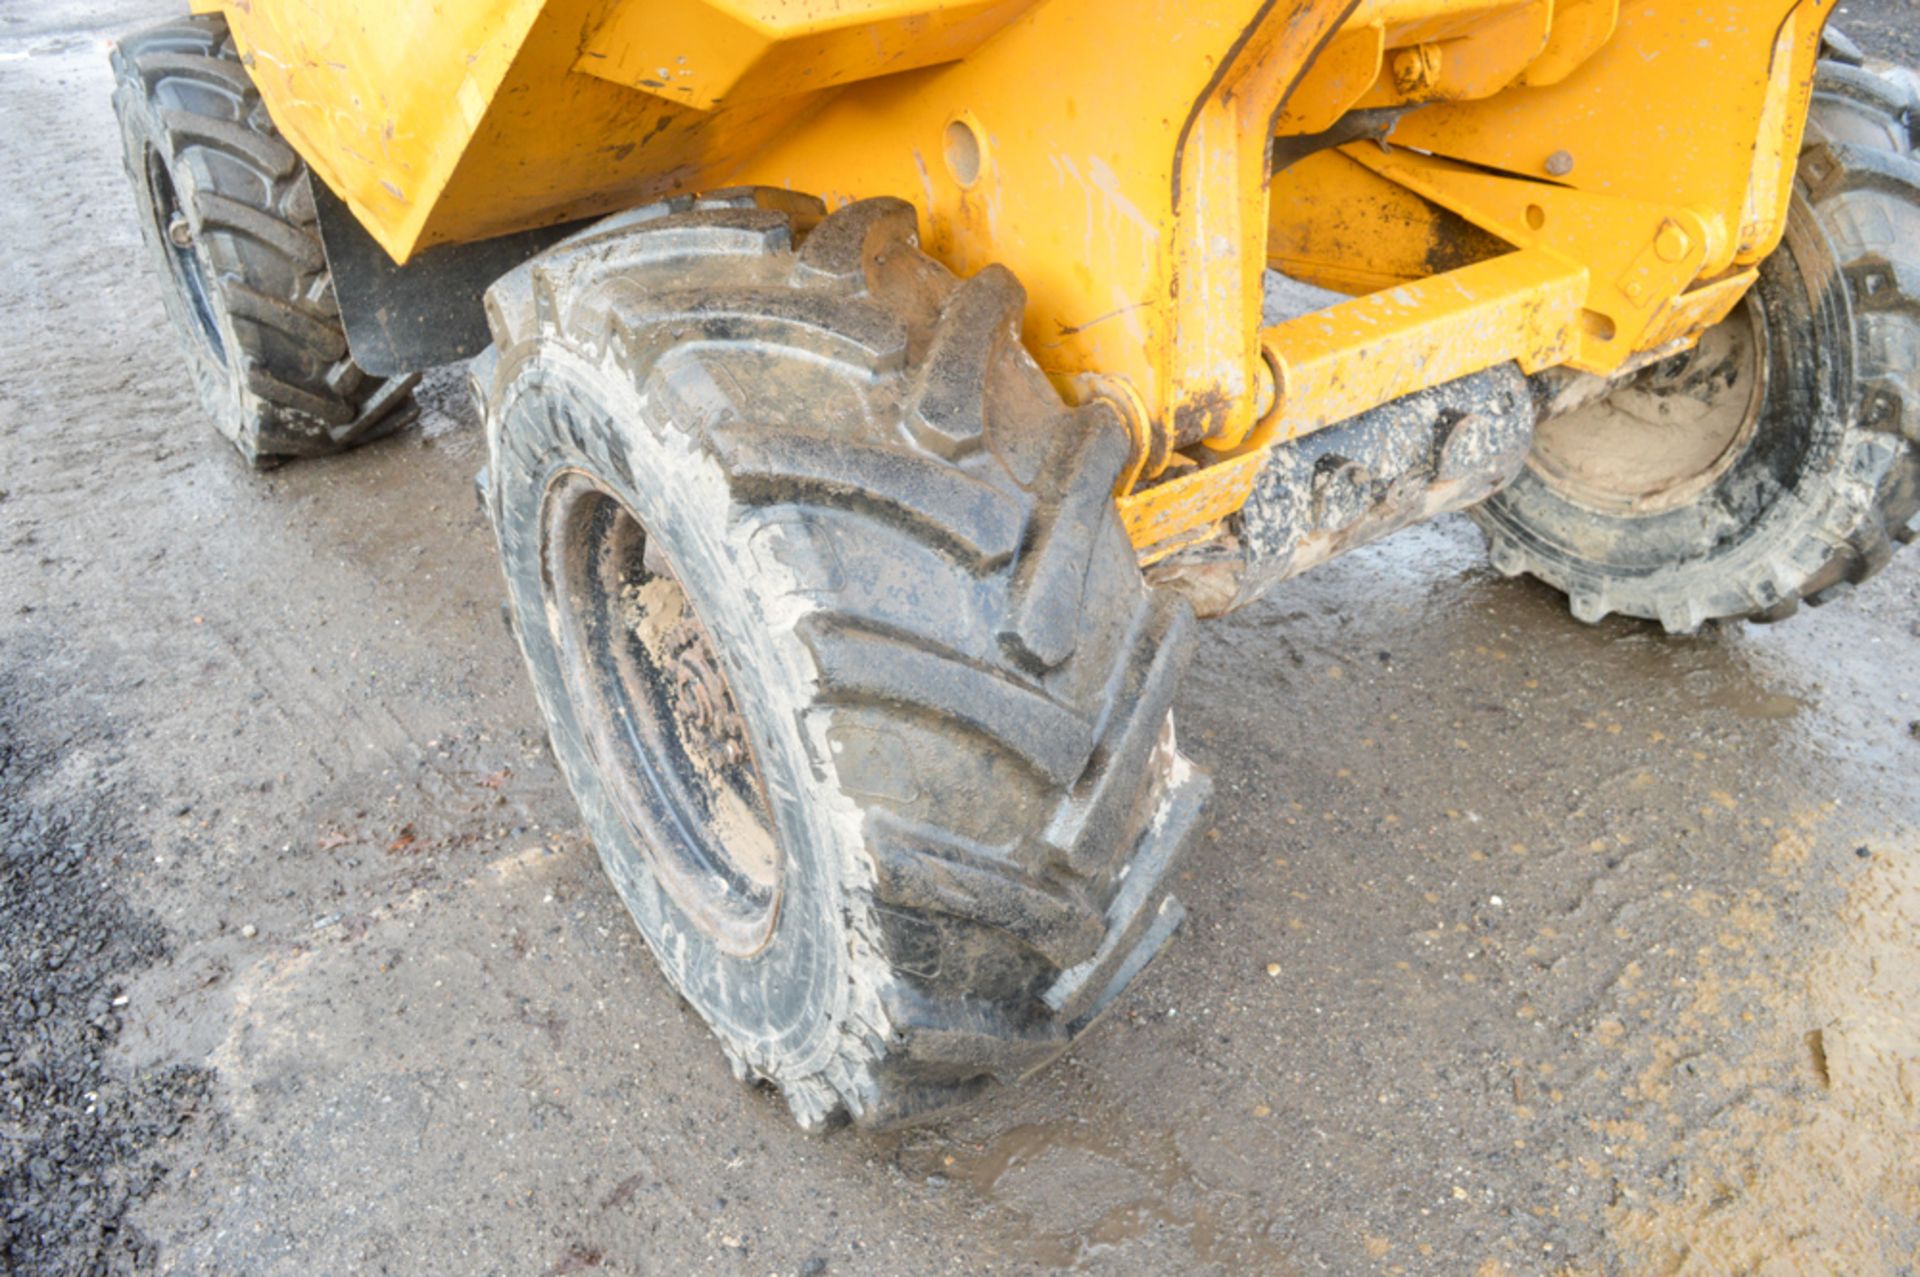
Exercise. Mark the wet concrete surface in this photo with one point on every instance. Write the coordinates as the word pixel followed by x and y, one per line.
pixel 1518 946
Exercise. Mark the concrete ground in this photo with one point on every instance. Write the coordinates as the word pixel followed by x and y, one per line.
pixel 1519 946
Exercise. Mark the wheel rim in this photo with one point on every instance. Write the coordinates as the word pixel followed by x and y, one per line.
pixel 658 713
pixel 1659 440
pixel 183 256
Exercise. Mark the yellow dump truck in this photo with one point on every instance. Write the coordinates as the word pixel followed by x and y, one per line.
pixel 875 390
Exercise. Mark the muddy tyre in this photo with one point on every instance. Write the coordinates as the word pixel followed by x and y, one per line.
pixel 228 217
pixel 1779 461
pixel 842 647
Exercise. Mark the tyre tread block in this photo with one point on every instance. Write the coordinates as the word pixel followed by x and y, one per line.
pixel 659 233
pixel 297 244
pixel 966 515
pixel 948 414
pixel 319 334
pixel 269 156
pixel 924 868
pixel 844 246
pixel 941 1048
pixel 879 668
pixel 1047 587
pixel 1091 827
pixel 1839 168
pixel 1140 916
pixel 847 331
pixel 157 65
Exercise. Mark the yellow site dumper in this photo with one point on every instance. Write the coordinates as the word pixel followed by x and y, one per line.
pixel 875 390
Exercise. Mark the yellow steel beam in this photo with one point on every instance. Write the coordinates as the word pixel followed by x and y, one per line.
pixel 1188 505
pixel 1359 354
pixel 1639 255
pixel 1334 222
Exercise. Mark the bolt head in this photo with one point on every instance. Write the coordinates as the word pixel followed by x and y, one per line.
pixel 1416 68
pixel 1559 164
pixel 1671 243
pixel 179 233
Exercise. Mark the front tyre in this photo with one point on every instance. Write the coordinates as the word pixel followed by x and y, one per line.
pixel 842 647
pixel 228 219
pixel 1779 460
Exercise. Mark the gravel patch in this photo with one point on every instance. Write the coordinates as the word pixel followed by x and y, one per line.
pixel 83 1137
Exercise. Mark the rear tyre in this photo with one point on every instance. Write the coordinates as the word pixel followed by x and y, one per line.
pixel 1779 460
pixel 228 216
pixel 841 645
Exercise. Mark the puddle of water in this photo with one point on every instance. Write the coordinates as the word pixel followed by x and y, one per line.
pixel 1087 1194
pixel 1746 701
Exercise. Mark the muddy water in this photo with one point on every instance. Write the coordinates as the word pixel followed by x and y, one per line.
pixel 1517 946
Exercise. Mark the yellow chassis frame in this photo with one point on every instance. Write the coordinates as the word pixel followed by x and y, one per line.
pixel 1563 182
